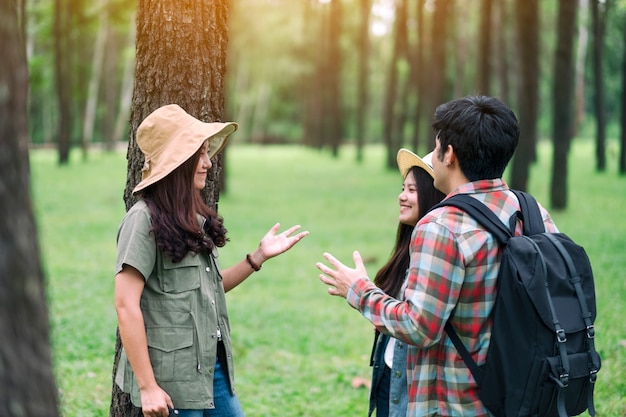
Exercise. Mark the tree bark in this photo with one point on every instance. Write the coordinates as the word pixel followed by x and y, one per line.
pixel 437 81
pixel 126 88
pixel 418 74
pixel 91 102
pixel 528 90
pixel 334 103
pixel 62 13
pixel 502 61
pixel 483 71
pixel 562 106
pixel 180 58
pixel 622 151
pixel 598 19
pixel 362 81
pixel 27 385
pixel 392 132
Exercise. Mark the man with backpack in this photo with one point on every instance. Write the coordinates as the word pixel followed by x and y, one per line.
pixel 454 265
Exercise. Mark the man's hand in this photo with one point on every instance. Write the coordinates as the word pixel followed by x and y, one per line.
pixel 341 277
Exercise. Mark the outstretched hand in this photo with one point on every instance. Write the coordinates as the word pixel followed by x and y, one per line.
pixel 341 277
pixel 273 244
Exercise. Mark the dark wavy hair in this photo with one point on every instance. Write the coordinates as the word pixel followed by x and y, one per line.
pixel 391 276
pixel 174 204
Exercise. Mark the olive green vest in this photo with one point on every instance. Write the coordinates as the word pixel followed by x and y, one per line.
pixel 184 310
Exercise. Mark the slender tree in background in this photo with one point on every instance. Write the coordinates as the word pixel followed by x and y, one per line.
pixel 181 58
pixel 502 45
pixel 316 52
pixel 27 385
pixel 622 148
pixel 527 26
pixel 599 11
pixel 483 72
pixel 392 103
pixel 333 105
pixel 436 74
pixel 580 67
pixel 416 55
pixel 63 77
pixel 462 39
pixel 563 99
pixel 362 105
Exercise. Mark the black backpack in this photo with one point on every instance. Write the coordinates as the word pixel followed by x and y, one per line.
pixel 541 360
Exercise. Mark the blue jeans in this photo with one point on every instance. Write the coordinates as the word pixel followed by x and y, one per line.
pixel 226 404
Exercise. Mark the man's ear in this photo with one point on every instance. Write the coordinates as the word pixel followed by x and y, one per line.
pixel 449 157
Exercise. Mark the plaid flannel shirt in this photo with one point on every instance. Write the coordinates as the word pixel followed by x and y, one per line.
pixel 452 275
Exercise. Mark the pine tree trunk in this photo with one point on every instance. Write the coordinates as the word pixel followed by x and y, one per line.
pixel 563 96
pixel 363 83
pixel 27 385
pixel 62 75
pixel 484 51
pixel 528 90
pixel 180 58
pixel 598 19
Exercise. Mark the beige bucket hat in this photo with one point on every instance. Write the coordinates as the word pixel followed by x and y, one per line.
pixel 169 136
pixel 407 159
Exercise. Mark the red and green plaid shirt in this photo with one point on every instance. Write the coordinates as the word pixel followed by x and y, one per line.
pixel 454 266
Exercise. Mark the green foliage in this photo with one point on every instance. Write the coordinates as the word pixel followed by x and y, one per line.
pixel 297 349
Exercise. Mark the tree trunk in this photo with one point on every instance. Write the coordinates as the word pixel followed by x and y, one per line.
pixel 460 32
pixel 113 55
pixel 502 48
pixel 62 73
pixel 175 63
pixel 417 71
pixel 317 50
pixel 622 151
pixel 528 90
pixel 563 100
pixel 391 88
pixel 404 80
pixel 126 88
pixel 362 81
pixel 89 118
pixel 437 82
pixel 483 72
pixel 27 385
pixel 333 77
pixel 598 19
pixel 583 28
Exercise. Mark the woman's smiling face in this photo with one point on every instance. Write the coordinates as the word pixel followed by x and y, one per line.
pixel 409 206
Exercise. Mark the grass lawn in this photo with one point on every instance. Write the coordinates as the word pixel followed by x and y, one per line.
pixel 297 350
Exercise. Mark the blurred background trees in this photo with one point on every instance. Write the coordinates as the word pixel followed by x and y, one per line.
pixel 325 73
pixel 27 384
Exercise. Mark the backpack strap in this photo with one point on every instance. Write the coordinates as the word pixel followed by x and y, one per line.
pixel 460 347
pixel 531 215
pixel 481 213
pixel 485 217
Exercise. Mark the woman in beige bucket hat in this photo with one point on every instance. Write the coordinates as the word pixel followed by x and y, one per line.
pixel 169 288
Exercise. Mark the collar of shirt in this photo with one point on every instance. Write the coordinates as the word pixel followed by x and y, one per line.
pixel 480 186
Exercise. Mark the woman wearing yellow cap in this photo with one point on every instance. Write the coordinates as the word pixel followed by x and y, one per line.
pixel 169 288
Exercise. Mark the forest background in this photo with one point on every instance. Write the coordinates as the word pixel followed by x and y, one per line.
pixel 325 73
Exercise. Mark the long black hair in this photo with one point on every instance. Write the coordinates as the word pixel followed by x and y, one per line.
pixel 174 204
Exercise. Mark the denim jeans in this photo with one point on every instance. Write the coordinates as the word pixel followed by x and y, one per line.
pixel 226 404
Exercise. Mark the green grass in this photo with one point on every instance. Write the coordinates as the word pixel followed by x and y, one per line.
pixel 296 348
